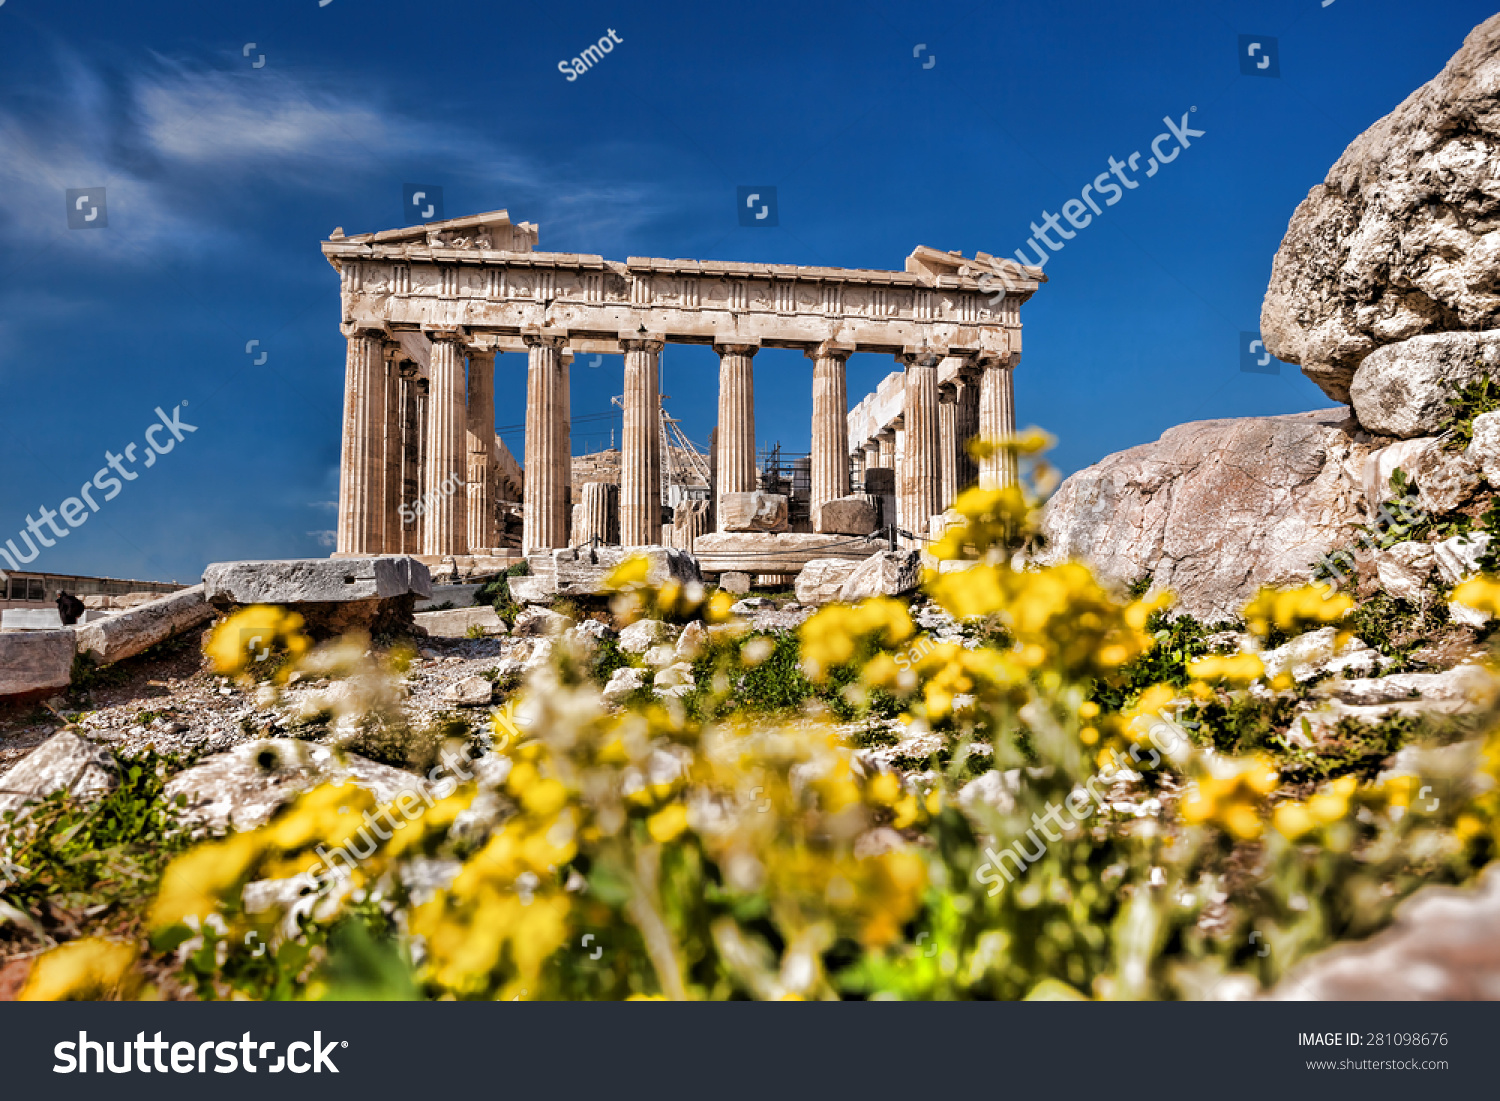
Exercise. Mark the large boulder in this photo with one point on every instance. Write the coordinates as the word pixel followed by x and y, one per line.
pixel 35 661
pixel 1400 238
pixel 63 762
pixel 244 787
pixel 124 635
pixel 1404 389
pixel 1442 947
pixel 333 595
pixel 1215 509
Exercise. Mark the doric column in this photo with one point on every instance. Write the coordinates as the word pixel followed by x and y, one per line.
pixel 829 468
pixel 921 485
pixel 480 447
pixel 898 465
pixel 545 523
pixel 997 419
pixel 857 465
pixel 736 439
pixel 362 461
pixel 948 442
pixel 445 497
pixel 392 475
pixel 598 510
pixel 409 386
pixel 885 442
pixel 640 445
pixel 966 424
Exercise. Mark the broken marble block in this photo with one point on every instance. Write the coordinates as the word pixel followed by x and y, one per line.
pixel 854 515
pixel 35 661
pixel 754 511
pixel 333 595
pixel 63 762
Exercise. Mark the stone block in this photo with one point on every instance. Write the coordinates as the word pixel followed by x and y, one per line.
pixel 785 553
pixel 755 511
pixel 126 634
pixel 880 481
pixel 244 787
pixel 1484 448
pixel 316 580
pixel 457 622
pixel 35 661
pixel 31 619
pixel 641 635
pixel 886 573
pixel 732 581
pixel 854 515
pixel 532 590
pixel 460 596
pixel 1457 558
pixel 63 761
pixel 333 595
pixel 822 579
pixel 583 572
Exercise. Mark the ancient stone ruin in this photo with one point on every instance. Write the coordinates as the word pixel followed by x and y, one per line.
pixel 425 310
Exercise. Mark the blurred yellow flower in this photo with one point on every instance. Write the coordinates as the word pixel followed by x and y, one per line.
pixel 91 969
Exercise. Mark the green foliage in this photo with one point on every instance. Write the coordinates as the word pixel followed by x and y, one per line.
pixel 1467 402
pixel 1177 642
pixel 76 863
pixel 1396 627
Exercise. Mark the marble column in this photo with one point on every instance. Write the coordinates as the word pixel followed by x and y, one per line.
pixel 948 442
pixel 829 467
pixel 445 496
pixel 545 517
pixel 736 438
pixel 392 476
pixel 599 514
pixel 966 426
pixel 997 419
pixel 362 461
pixel 480 446
pixel 872 456
pixel 886 445
pixel 423 388
pixel 857 467
pixel 921 484
pixel 640 445
pixel 408 387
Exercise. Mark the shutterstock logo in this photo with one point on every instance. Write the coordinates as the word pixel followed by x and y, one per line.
pixel 757 205
pixel 246 1053
pixel 86 208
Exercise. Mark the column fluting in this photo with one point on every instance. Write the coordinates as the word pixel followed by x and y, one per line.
pixel 445 499
pixel 640 446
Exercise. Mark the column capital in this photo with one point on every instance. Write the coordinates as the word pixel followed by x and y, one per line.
pixel 830 349
pixel 736 348
pixel 550 338
pixel 921 356
pixel 643 342
pixel 369 332
pixel 455 334
pixel 947 393
pixel 407 369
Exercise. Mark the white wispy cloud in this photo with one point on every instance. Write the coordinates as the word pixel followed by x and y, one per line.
pixel 182 150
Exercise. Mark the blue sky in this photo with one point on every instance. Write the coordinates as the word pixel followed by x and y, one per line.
pixel 222 177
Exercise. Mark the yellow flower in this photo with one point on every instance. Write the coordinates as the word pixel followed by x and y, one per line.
pixel 1293 611
pixel 90 969
pixel 253 632
pixel 1292 820
pixel 1234 668
pixel 1481 593
pixel 666 824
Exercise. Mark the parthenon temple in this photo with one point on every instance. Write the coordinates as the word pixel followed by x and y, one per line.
pixel 426 309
